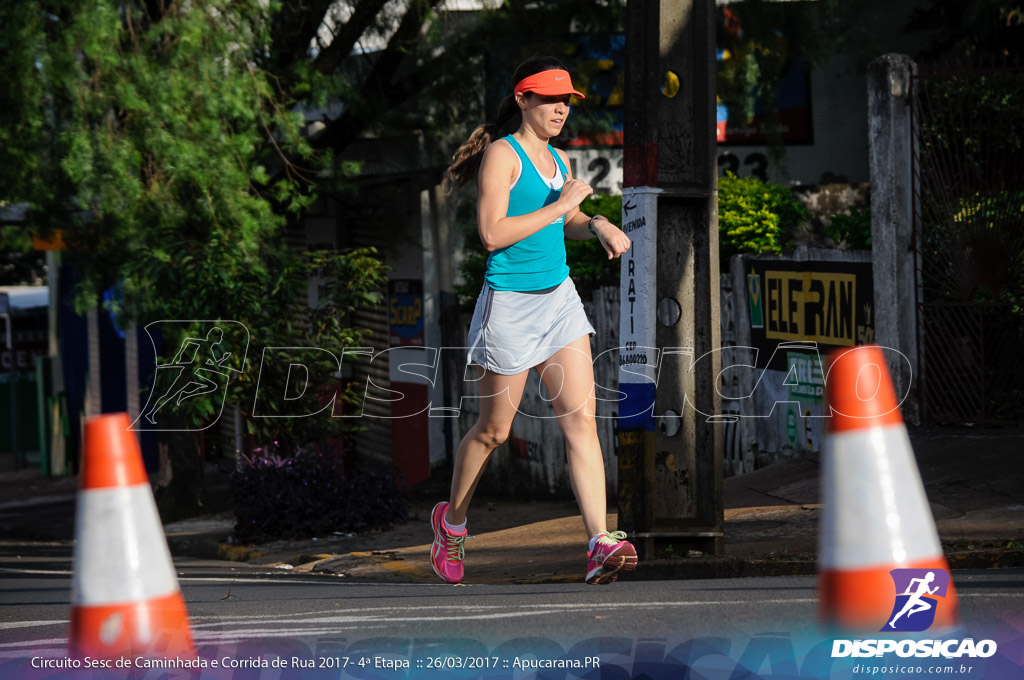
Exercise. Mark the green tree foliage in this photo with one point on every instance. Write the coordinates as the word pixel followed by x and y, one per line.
pixel 264 300
pixel 142 131
pixel 19 264
pixel 173 161
pixel 419 68
pixel 169 141
pixel 175 143
pixel 971 28
pixel 474 256
pixel 27 164
pixel 852 229
pixel 137 126
pixel 972 230
pixel 754 216
pixel 991 261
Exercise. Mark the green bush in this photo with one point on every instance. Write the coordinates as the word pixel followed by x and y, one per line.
pixel 753 215
pixel 854 229
pixel 474 260
pixel 987 230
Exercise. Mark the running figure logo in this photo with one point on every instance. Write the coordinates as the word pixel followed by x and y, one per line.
pixel 914 610
pixel 202 365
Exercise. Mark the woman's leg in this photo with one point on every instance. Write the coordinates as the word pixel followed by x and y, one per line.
pixel 499 400
pixel 569 376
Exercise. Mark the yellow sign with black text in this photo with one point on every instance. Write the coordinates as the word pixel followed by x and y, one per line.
pixel 811 306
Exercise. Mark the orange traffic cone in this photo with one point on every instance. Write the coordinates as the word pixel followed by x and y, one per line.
pixel 125 600
pixel 878 546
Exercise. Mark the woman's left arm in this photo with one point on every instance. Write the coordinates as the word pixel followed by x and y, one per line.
pixel 580 226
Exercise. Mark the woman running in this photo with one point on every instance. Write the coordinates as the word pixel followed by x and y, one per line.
pixel 529 314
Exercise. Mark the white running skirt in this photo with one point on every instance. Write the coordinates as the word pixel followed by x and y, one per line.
pixel 513 331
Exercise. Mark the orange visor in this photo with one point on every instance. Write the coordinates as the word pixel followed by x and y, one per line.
pixel 555 81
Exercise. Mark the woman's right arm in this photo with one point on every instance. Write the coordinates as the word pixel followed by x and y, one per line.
pixel 498 231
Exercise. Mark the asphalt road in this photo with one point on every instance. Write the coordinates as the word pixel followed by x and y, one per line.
pixel 239 611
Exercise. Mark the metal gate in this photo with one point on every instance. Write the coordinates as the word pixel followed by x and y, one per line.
pixel 969 235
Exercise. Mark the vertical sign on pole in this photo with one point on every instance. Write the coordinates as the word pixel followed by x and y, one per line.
pixel 638 352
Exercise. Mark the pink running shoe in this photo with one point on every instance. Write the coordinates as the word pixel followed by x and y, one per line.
pixel 447 552
pixel 612 553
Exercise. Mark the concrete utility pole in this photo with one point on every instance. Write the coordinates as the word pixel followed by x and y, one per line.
pixel 892 151
pixel 670 454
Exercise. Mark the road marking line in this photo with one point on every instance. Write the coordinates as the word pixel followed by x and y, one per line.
pixel 35 571
pixel 56 652
pixel 11 649
pixel 368 613
pixel 247 635
pixel 380 613
pixel 282 579
pixel 269 577
pixel 30 643
pixel 7 625
pixel 38 500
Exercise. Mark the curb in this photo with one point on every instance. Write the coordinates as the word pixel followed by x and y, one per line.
pixel 385 565
pixel 717 567
pixel 993 558
pixel 209 548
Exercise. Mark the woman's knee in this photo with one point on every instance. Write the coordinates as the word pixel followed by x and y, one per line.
pixel 578 424
pixel 492 435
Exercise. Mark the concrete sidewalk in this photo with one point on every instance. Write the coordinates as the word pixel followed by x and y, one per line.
pixel 974 481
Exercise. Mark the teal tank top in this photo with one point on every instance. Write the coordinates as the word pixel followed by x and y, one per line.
pixel 538 261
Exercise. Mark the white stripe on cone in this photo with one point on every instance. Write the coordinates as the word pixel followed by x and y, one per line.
pixel 121 553
pixel 876 512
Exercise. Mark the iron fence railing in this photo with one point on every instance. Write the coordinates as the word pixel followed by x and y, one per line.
pixel 968 169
